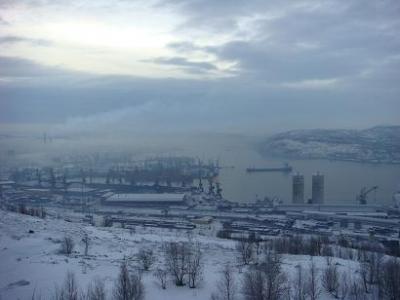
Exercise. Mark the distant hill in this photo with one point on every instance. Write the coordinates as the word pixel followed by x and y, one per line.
pixel 380 144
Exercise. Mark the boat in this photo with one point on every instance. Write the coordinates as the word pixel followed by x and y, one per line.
pixel 285 168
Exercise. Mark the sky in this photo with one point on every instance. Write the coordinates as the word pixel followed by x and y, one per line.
pixel 205 65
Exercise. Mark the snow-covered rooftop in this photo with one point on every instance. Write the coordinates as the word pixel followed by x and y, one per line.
pixel 146 198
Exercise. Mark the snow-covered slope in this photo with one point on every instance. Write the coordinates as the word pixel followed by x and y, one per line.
pixel 30 262
pixel 378 144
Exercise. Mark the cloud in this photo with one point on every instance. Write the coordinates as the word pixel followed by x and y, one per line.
pixel 181 62
pixel 17 70
pixel 3 22
pixel 288 57
pixel 75 101
pixel 294 41
pixel 11 39
pixel 184 47
pixel 312 84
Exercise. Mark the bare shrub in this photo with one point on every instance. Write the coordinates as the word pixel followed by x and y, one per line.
pixel 370 270
pixel 330 280
pixel 86 243
pixel 364 271
pixel 356 291
pixel 176 258
pixel 343 286
pixel 128 286
pixel 226 285
pixel 69 290
pixel 327 251
pixel 253 285
pixel 67 245
pixel 43 213
pixel 96 290
pixel 374 264
pixel 312 287
pixel 22 209
pixel 194 265
pixel 390 281
pixel 299 284
pixel 245 248
pixel 315 246
pixel 146 258
pixel 161 275
pixel 266 281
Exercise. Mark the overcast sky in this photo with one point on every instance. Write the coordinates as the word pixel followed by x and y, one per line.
pixel 238 66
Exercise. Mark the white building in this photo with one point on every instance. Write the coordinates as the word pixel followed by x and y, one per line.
pixel 150 200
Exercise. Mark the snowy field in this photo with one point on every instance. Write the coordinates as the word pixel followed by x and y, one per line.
pixel 31 263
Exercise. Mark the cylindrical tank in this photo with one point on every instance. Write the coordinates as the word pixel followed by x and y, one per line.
pixel 318 188
pixel 298 188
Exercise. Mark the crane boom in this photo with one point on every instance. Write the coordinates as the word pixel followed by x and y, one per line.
pixel 362 196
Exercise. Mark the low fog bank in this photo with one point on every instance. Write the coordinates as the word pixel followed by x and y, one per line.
pixel 40 145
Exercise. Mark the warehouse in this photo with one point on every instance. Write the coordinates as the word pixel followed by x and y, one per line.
pixel 146 200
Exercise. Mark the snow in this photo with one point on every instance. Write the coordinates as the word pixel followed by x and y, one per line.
pixel 33 257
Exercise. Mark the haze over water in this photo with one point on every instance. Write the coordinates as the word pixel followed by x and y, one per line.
pixel 343 180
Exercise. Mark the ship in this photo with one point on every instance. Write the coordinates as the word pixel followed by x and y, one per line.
pixel 285 168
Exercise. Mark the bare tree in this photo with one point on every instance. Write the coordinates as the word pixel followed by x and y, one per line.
pixel 226 285
pixel 194 265
pixel 356 290
pixel 86 243
pixel 364 271
pixel 137 287
pixel 344 286
pixel 67 245
pixel 128 286
pixel 69 290
pixel 390 281
pixel 266 281
pixel 122 285
pixel 299 284
pixel 330 280
pixel 176 257
pixel 327 251
pixel 253 285
pixel 370 270
pixel 245 248
pixel 374 264
pixel 146 258
pixel 313 289
pixel 96 290
pixel 43 213
pixel 161 275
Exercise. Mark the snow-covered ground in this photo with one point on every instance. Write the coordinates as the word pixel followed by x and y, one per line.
pixel 30 262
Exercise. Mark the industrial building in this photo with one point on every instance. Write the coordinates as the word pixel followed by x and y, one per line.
pixel 317 188
pixel 145 200
pixel 298 189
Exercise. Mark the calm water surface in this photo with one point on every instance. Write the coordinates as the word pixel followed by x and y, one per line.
pixel 343 180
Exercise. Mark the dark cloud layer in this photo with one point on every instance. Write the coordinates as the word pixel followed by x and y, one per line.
pixel 87 102
pixel 297 64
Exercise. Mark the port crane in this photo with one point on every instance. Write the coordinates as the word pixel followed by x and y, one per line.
pixel 362 196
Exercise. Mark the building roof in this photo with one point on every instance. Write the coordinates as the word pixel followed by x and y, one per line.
pixel 79 189
pixel 146 198
pixel 6 182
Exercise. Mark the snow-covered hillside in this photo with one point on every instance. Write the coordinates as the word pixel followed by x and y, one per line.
pixel 378 144
pixel 30 261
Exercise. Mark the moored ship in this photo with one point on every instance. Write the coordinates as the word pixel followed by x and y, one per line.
pixel 285 168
